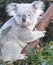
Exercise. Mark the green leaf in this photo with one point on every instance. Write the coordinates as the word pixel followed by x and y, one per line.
pixel 51 43
pixel 31 50
pixel 6 30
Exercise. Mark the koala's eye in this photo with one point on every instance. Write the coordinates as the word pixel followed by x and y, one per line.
pixel 19 15
pixel 28 14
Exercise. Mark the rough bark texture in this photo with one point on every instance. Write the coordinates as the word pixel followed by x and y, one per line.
pixel 42 25
pixel 50 0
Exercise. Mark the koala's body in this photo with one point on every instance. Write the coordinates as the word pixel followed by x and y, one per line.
pixel 25 17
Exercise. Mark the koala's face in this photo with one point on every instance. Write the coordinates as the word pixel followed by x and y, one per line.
pixel 26 14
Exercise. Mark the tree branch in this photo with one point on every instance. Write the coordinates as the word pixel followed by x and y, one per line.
pixel 42 25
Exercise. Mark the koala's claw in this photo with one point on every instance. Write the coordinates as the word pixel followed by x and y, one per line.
pixel 44 31
pixel 39 34
pixel 22 56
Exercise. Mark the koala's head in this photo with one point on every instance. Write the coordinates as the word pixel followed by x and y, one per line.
pixel 26 14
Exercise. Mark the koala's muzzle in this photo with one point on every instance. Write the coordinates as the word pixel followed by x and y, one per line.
pixel 23 18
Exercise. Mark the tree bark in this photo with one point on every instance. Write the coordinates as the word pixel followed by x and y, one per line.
pixel 42 25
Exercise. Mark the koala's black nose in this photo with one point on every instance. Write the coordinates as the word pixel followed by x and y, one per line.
pixel 23 18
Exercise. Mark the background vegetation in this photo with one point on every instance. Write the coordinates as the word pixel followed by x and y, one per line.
pixel 45 56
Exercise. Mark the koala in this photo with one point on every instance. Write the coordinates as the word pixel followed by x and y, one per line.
pixel 24 18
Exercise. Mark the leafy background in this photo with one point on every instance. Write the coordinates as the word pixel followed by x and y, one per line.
pixel 45 55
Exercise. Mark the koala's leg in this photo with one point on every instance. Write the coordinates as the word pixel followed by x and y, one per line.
pixel 10 63
pixel 11 51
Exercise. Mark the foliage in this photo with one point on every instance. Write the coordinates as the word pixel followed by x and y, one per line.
pixel 5 31
pixel 49 34
pixel 43 57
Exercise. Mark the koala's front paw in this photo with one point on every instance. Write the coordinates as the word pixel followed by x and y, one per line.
pixel 38 34
pixel 41 33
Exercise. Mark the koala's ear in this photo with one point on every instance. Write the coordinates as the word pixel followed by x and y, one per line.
pixel 38 4
pixel 12 8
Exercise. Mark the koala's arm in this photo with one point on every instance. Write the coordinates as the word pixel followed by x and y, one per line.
pixel 4 26
pixel 1 29
pixel 11 51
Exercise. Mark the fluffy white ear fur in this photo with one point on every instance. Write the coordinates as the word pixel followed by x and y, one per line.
pixel 38 4
pixel 12 8
pixel 38 7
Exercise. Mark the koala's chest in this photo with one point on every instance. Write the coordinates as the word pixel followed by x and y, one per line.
pixel 23 34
